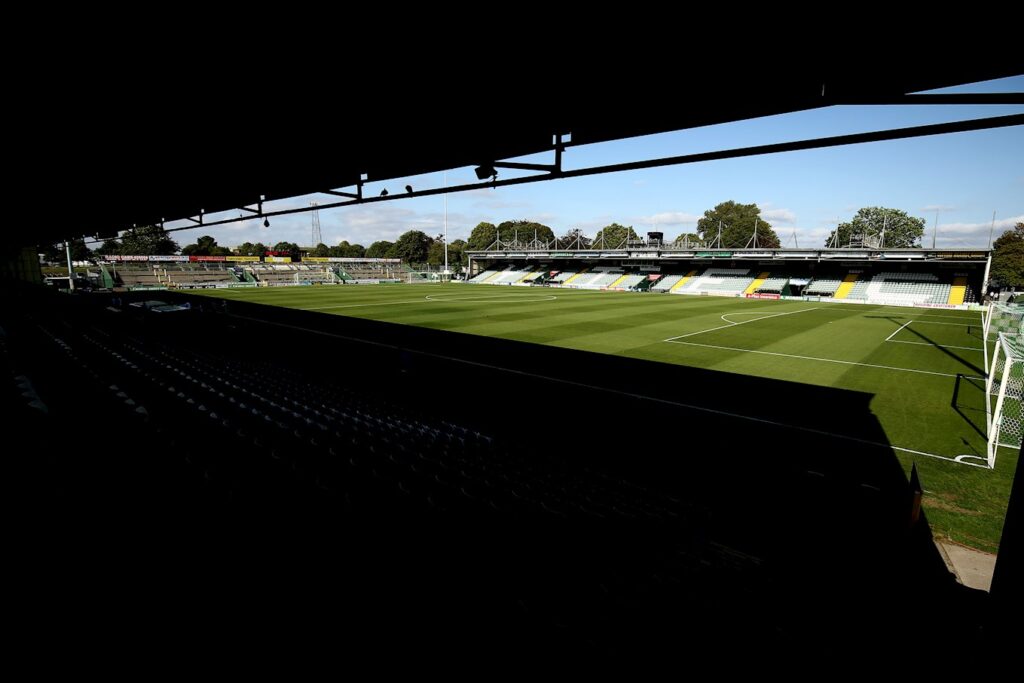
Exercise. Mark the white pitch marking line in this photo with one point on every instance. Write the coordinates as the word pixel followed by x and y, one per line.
pixel 507 297
pixel 752 320
pixel 511 297
pixel 938 346
pixel 945 317
pixel 823 360
pixel 898 331
pixel 620 392
pixel 376 303
pixel 930 322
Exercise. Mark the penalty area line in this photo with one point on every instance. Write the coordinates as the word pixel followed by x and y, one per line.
pixel 822 360
pixel 898 330
pixel 620 392
pixel 937 346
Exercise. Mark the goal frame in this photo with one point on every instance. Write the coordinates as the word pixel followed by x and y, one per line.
pixel 1005 382
pixel 429 277
pixel 1008 318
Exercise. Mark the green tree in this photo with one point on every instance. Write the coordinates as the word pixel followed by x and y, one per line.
pixel 457 258
pixel 346 250
pixel 435 255
pixel 524 231
pixel 737 221
pixel 148 240
pixel 321 250
pixel 413 246
pixel 290 247
pixel 612 235
pixel 901 230
pixel 56 253
pixel 110 246
pixel 250 249
pixel 1008 258
pixel 379 249
pixel 692 237
pixel 483 236
pixel 570 238
pixel 204 246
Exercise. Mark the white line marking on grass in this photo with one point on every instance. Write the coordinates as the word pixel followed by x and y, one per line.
pixel 630 394
pixel 938 346
pixel 898 331
pixel 823 360
pixel 931 322
pixel 377 303
pixel 431 298
pixel 731 324
pixel 963 460
pixel 945 317
pixel 500 297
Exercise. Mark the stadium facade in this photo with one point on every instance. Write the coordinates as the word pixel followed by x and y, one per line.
pixel 943 278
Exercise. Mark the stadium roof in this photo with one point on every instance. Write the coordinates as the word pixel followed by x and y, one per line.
pixel 114 160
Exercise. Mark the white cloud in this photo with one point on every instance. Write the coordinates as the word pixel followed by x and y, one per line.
pixel 807 238
pixel 779 215
pixel 971 234
pixel 667 218
pixel 932 208
pixel 590 227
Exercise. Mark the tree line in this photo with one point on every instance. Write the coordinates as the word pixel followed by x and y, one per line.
pixel 730 225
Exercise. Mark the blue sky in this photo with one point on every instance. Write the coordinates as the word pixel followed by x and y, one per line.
pixel 963 177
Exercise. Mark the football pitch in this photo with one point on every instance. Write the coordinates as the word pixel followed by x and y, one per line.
pixel 923 367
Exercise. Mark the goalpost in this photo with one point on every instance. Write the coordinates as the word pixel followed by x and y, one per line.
pixel 1004 325
pixel 425 277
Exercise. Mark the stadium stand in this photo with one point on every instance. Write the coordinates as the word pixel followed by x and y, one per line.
pixel 276 274
pixel 726 281
pixel 573 548
pixel 825 287
pixel 166 523
pixel 627 282
pixel 773 285
pixel 756 284
pixel 906 288
pixel 564 276
pixel 919 284
pixel 666 283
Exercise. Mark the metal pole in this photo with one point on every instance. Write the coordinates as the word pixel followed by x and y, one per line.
pixel 984 280
pixel 446 223
pixel 991 231
pixel 935 232
pixel 71 272
pixel 993 435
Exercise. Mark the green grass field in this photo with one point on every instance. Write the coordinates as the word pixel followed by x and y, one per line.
pixel 912 360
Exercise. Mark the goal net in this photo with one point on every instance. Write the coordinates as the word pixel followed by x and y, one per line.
pixel 423 277
pixel 1005 394
pixel 1000 318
